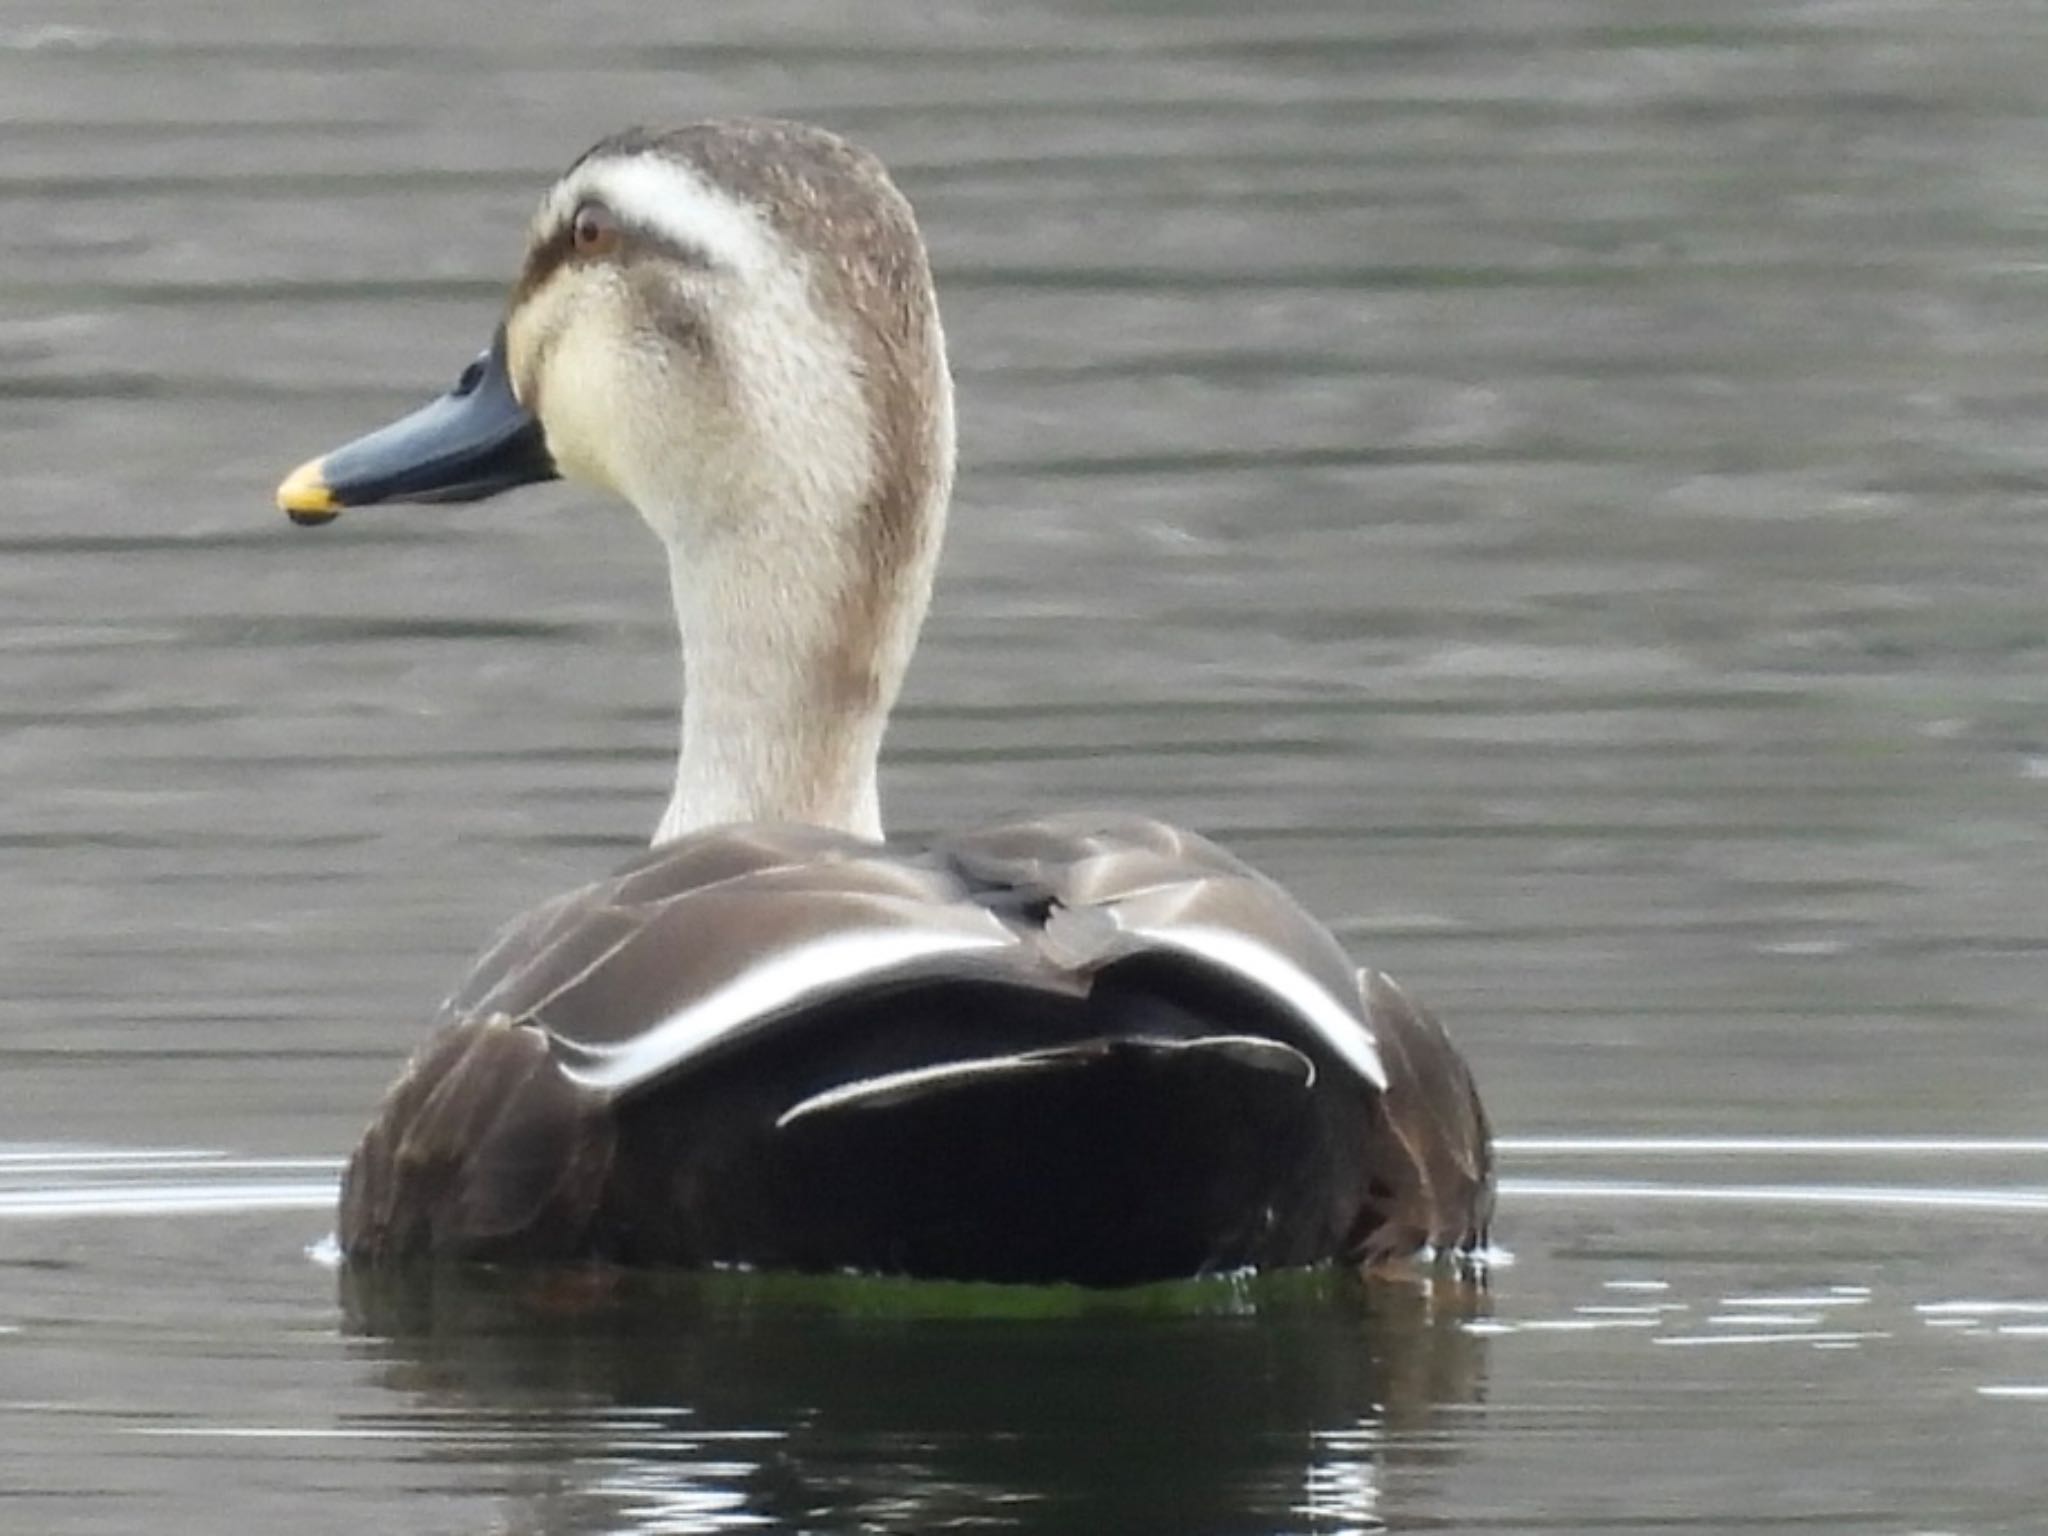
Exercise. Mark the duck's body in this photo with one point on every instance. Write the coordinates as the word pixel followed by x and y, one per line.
pixel 1089 1048
pixel 1094 1049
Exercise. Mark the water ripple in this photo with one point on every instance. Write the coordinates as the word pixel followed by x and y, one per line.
pixel 51 1182
pixel 1894 1197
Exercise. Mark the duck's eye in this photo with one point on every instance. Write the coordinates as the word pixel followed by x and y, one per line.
pixel 593 231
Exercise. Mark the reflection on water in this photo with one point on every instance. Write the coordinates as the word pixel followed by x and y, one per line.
pixel 714 1402
pixel 51 1182
pixel 160 1318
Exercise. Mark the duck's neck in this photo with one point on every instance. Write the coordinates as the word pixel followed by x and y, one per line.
pixel 787 686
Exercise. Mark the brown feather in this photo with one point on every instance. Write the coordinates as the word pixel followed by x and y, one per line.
pixel 485 1148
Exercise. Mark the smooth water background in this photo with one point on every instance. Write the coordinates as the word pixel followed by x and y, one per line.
pixel 1557 482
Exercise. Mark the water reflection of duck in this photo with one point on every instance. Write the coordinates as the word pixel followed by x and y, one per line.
pixel 665 1402
pixel 1094 1048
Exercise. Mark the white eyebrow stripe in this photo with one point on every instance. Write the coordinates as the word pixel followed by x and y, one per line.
pixel 670 200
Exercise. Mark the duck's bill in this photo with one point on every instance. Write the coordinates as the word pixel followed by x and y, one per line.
pixel 475 441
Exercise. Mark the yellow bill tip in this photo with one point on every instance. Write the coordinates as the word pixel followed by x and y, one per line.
pixel 305 498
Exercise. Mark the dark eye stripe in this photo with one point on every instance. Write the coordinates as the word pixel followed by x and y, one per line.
pixel 635 240
pixel 542 259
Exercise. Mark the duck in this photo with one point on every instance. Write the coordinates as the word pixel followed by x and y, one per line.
pixel 1089 1048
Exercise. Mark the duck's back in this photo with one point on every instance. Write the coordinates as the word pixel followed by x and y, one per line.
pixel 1095 1049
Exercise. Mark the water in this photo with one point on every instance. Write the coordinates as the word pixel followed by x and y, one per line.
pixel 1559 484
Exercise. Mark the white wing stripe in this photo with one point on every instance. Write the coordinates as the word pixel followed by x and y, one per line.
pixel 1280 979
pixel 889 1086
pixel 804 974
pixel 892 1084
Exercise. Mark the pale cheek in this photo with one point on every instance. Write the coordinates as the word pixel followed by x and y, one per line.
pixel 522 337
pixel 563 349
pixel 580 408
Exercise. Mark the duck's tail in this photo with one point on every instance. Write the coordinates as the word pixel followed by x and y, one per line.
pixel 1105 1162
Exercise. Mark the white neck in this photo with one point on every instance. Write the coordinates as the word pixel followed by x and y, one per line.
pixel 787 680
pixel 766 734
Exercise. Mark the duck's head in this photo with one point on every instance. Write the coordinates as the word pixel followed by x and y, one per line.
pixel 731 325
pixel 723 318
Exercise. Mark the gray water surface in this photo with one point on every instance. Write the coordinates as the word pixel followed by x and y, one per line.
pixel 1559 484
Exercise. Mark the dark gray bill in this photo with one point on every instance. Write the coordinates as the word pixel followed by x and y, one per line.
pixel 473 442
